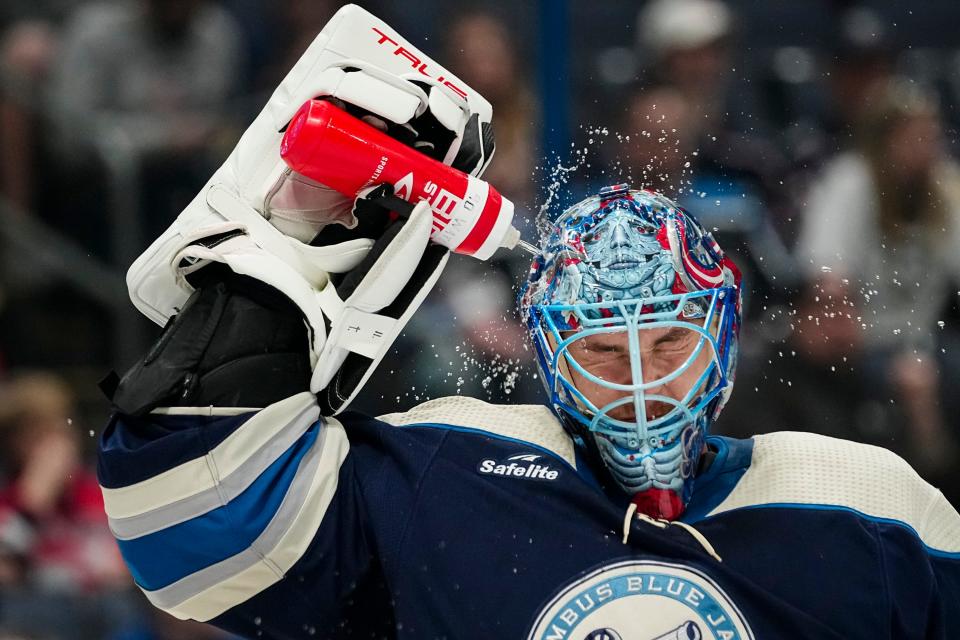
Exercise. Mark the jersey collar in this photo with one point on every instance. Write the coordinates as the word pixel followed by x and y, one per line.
pixel 715 484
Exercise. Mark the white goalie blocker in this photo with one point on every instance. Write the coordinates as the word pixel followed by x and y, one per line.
pixel 242 216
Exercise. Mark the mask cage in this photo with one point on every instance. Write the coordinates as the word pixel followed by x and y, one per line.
pixel 549 322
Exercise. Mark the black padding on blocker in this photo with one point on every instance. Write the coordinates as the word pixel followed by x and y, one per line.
pixel 487 141
pixel 236 343
pixel 471 151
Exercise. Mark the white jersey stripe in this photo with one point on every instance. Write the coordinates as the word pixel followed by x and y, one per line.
pixel 212 498
pixel 215 589
pixel 286 420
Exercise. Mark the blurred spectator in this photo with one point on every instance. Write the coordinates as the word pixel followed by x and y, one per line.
pixel 153 79
pixel 52 528
pixel 61 575
pixel 697 133
pixel 27 49
pixel 814 380
pixel 861 66
pixel 160 72
pixel 688 41
pixel 688 44
pixel 662 135
pixel 481 50
pixel 728 180
pixel 819 379
pixel 884 219
pixel 29 43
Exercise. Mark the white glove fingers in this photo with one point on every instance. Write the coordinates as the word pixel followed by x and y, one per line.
pixel 449 109
pixel 364 86
pixel 393 269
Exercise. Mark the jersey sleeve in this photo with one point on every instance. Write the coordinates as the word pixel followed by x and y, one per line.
pixel 249 519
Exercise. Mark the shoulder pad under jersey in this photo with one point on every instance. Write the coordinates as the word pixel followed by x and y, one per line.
pixel 806 470
pixel 533 424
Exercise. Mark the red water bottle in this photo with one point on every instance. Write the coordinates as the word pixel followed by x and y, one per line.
pixel 332 147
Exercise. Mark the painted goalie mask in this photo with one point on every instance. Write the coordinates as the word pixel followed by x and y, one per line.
pixel 634 312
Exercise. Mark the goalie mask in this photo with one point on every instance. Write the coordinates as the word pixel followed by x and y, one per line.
pixel 634 311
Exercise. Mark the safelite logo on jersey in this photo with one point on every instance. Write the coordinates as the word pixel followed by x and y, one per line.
pixel 524 465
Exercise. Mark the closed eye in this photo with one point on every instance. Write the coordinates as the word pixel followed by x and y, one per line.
pixel 610 349
pixel 673 336
pixel 602 349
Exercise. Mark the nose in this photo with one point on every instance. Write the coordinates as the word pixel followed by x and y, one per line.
pixel 655 408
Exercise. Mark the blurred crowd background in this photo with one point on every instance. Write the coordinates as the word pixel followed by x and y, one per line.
pixel 818 140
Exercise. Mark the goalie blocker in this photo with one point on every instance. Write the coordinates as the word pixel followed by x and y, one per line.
pixel 354 272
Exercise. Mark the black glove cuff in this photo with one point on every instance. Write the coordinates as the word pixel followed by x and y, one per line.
pixel 236 343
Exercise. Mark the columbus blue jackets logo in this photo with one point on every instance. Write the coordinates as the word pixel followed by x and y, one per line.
pixel 640 600
pixel 530 466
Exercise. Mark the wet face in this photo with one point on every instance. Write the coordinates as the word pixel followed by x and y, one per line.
pixel 663 350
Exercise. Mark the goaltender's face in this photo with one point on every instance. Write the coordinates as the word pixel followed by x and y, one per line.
pixel 662 350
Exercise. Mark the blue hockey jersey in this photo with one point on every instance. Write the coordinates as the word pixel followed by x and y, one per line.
pixel 461 519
